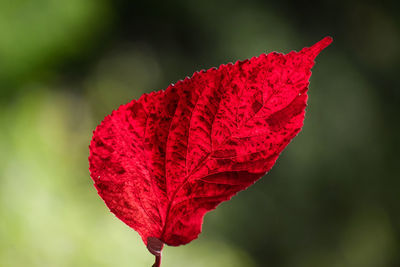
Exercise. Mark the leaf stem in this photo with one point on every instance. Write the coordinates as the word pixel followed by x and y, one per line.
pixel 155 246
pixel 157 263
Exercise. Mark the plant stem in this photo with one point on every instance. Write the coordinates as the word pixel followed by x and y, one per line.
pixel 155 246
pixel 157 263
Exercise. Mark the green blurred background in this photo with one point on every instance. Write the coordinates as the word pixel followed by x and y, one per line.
pixel 332 199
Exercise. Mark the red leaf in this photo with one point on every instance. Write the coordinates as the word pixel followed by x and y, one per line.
pixel 161 162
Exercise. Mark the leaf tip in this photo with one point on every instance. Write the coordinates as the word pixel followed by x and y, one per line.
pixel 315 49
pixel 321 45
